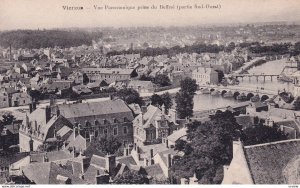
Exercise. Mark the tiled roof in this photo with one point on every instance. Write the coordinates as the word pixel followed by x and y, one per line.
pixel 268 161
pixel 128 160
pixel 46 173
pixel 177 134
pixel 95 109
pixel 98 161
pixel 6 160
pixel 52 156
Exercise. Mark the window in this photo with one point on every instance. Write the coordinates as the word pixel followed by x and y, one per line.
pixel 125 143
pixel 4 99
pixel 115 120
pixel 104 131
pixel 96 133
pixel 115 131
pixel 125 130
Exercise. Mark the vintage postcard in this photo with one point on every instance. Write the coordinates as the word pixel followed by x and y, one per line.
pixel 149 92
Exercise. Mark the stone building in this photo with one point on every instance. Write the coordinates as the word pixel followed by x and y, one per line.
pixel 151 126
pixel 100 119
pixel 41 126
pixel 204 76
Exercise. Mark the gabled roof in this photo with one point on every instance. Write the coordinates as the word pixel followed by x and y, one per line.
pixel 94 109
pixel 47 173
pixel 177 135
pixel 267 162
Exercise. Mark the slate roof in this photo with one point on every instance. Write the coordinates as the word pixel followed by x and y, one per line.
pixel 52 156
pixel 6 160
pixel 95 108
pixel 177 134
pixel 46 173
pixel 268 161
pixel 127 160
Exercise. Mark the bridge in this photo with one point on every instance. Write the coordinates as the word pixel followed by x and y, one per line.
pixel 257 76
pixel 237 90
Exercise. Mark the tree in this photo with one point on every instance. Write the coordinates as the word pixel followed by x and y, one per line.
pixel 130 96
pixel 167 101
pixel 156 100
pixel 184 98
pixel 162 80
pixel 260 134
pixel 211 148
pixel 86 79
pixel 131 177
pixel 184 104
pixel 188 85
pixel 104 146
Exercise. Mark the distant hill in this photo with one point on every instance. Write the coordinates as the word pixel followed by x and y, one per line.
pixel 46 38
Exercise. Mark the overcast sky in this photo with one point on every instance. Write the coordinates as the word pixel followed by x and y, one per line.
pixel 34 14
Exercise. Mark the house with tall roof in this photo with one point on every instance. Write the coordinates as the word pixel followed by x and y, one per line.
pixel 151 126
pixel 269 163
pixel 41 126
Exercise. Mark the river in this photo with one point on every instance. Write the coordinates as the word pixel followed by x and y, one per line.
pixel 206 101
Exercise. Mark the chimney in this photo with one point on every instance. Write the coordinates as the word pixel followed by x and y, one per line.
pixel 57 112
pixel 169 160
pixel 110 163
pixel 48 113
pixel 74 152
pixel 144 109
pixel 126 151
pixel 151 153
pixel 30 108
pixel 33 106
pixel 102 179
pixel 146 162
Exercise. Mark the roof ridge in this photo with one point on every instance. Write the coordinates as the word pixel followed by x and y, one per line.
pixel 272 143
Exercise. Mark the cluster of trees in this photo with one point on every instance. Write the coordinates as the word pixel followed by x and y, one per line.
pixel 184 98
pixel 209 146
pixel 46 38
pixel 165 99
pixel 104 146
pixel 260 133
pixel 208 149
pixel 270 49
pixel 195 48
pixel 160 79
pixel 130 96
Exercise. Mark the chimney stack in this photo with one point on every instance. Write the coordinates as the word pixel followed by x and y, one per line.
pixel 30 108
pixel 110 163
pixel 126 151
pixel 48 113
pixel 169 160
pixel 144 109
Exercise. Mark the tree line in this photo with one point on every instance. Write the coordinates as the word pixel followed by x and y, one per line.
pixel 34 39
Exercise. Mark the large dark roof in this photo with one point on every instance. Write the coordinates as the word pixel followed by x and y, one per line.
pixel 95 109
pixel 268 161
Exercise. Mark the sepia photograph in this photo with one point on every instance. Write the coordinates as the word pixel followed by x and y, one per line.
pixel 163 92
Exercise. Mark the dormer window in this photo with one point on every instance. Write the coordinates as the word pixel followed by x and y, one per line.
pixel 115 120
